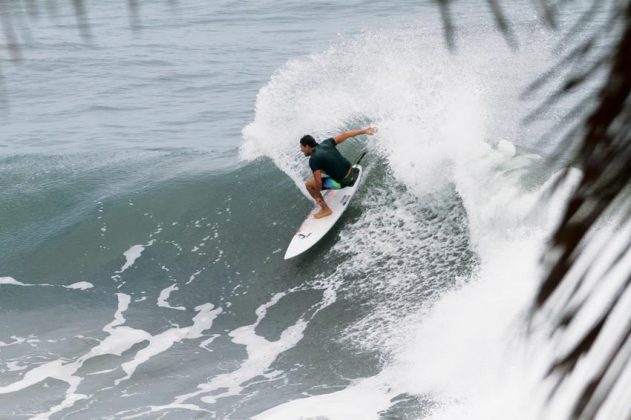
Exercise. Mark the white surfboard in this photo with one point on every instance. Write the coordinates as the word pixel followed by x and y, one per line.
pixel 312 229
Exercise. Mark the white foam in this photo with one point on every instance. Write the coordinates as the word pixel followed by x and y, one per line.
pixel 101 372
pixel 14 282
pixel 457 354
pixel 164 296
pixel 132 254
pixel 470 352
pixel 364 399
pixel 11 280
pixel 204 344
pixel 261 353
pixel 120 339
pixel 194 275
pixel 165 340
pixel 82 285
pixel 57 370
pixel 507 148
pixel 16 340
pixel 15 366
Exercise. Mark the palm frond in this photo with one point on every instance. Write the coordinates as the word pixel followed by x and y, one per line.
pixel 10 35
pixel 448 25
pixel 83 21
pixel 599 142
pixel 602 151
pixel 134 14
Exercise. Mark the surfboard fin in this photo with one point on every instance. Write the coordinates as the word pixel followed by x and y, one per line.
pixel 361 157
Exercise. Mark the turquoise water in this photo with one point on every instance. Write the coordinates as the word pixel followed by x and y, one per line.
pixel 150 183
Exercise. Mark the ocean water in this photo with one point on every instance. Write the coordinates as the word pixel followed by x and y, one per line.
pixel 150 181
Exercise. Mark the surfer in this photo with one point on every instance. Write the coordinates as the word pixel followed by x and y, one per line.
pixel 331 170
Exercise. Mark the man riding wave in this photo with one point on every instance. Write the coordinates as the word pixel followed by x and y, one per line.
pixel 331 170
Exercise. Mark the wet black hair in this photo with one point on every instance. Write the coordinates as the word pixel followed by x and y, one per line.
pixel 308 141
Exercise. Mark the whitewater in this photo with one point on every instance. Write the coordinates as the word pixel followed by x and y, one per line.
pixel 460 348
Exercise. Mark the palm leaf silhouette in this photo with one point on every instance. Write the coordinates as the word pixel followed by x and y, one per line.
pixel 600 140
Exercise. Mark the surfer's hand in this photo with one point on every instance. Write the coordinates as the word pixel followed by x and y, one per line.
pixel 348 134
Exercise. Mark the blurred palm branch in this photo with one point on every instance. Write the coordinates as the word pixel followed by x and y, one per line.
pixel 585 292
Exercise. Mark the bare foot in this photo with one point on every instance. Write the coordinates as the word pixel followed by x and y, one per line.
pixel 323 213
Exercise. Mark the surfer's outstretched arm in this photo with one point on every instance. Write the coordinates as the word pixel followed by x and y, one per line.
pixel 352 133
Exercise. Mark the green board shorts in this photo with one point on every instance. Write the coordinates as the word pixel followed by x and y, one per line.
pixel 329 183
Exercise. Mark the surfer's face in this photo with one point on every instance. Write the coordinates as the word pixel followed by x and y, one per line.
pixel 306 150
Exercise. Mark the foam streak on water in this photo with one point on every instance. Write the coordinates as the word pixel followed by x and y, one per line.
pixel 120 339
pixel 261 353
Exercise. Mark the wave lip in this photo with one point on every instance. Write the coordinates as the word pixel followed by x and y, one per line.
pixel 428 109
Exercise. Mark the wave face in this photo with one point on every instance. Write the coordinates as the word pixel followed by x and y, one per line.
pixel 445 251
pixel 151 284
